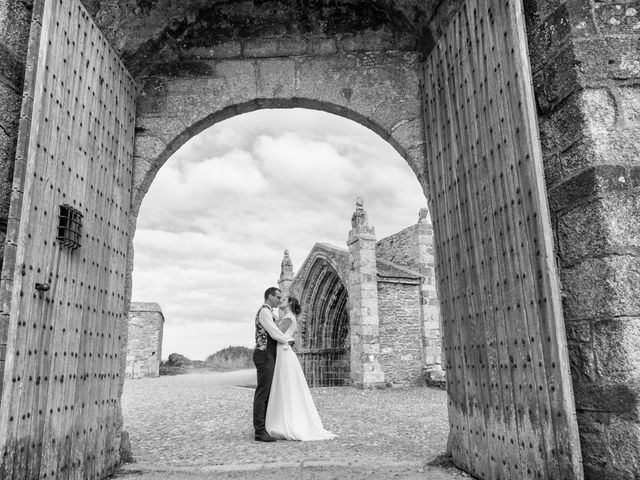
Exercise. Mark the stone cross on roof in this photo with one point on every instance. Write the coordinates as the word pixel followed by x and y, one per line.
pixel 423 216
pixel 359 217
pixel 286 267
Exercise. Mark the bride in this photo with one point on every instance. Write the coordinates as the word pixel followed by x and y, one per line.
pixel 291 413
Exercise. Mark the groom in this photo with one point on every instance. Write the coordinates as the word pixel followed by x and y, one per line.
pixel 264 357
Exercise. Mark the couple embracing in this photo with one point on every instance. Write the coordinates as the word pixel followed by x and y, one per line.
pixel 282 406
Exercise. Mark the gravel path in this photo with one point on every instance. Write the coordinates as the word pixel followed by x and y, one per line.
pixel 190 423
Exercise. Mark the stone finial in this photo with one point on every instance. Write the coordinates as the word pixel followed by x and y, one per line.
pixel 286 267
pixel 359 217
pixel 423 215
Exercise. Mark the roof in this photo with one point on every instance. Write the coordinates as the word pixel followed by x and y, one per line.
pixel 386 269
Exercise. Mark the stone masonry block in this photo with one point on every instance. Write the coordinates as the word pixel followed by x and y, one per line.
pixel 594 127
pixel 618 18
pixel 15 22
pixel 556 81
pixel 371 330
pixel 431 325
pixel 605 226
pixel 578 155
pixel 579 331
pixel 618 398
pixel 321 46
pixel 589 184
pixel 11 70
pixel 609 445
pixel 152 99
pixel 601 287
pixel 433 351
pixel 370 349
pixel 364 41
pixel 7 154
pixel 629 99
pixel 220 50
pixel 10 104
pixel 559 128
pixel 536 11
pixel 273 47
pixel 616 345
pixel 548 35
pixel 582 362
pixel 149 147
pixel 591 426
pixel 142 173
pixel 276 77
pixel 624 437
pixel 409 133
pixel 612 125
pixel 604 58
pixel 553 171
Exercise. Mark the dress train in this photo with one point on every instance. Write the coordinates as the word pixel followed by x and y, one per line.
pixel 291 413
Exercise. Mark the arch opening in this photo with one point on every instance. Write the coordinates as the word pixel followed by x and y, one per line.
pixel 149 166
pixel 324 327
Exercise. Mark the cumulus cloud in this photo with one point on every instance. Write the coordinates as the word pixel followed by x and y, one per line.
pixel 220 212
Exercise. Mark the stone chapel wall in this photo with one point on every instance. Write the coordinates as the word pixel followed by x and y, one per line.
pixel 400 343
pixel 400 248
pixel 413 248
pixel 144 349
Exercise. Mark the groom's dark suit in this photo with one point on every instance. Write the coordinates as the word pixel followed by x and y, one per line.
pixel 264 357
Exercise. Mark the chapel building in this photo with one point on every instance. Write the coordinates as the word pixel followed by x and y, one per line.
pixel 370 311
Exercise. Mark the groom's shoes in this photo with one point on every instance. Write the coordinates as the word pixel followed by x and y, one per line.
pixel 264 437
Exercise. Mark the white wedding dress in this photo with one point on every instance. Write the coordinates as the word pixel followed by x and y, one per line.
pixel 291 413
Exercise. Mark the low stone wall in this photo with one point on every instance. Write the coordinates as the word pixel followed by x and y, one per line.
pixel 400 335
pixel 144 349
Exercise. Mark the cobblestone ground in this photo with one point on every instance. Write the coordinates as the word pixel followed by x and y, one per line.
pixel 203 420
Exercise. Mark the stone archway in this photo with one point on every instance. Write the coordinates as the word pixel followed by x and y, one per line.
pixel 392 110
pixel 396 94
pixel 173 108
pixel 585 83
pixel 324 324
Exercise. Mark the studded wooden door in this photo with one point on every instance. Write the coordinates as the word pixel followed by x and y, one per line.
pixel 510 398
pixel 64 267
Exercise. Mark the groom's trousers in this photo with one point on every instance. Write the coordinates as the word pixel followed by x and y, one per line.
pixel 265 362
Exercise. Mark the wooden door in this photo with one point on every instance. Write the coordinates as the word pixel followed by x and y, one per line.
pixel 510 397
pixel 64 267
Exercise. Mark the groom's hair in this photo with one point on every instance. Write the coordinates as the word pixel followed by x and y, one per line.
pixel 270 291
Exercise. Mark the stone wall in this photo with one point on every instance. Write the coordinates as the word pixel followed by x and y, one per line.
pixel 586 70
pixel 144 349
pixel 400 340
pixel 15 23
pixel 400 248
pixel 413 248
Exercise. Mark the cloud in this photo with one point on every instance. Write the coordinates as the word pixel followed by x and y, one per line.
pixel 220 212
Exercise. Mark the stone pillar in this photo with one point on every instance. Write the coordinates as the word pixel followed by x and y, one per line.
pixel 286 274
pixel 586 74
pixel 144 346
pixel 431 331
pixel 362 288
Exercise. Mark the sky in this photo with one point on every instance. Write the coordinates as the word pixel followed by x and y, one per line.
pixel 221 211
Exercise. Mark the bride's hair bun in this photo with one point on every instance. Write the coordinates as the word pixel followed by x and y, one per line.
pixel 295 305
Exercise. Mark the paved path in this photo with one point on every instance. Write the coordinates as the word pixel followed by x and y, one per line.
pixel 190 426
